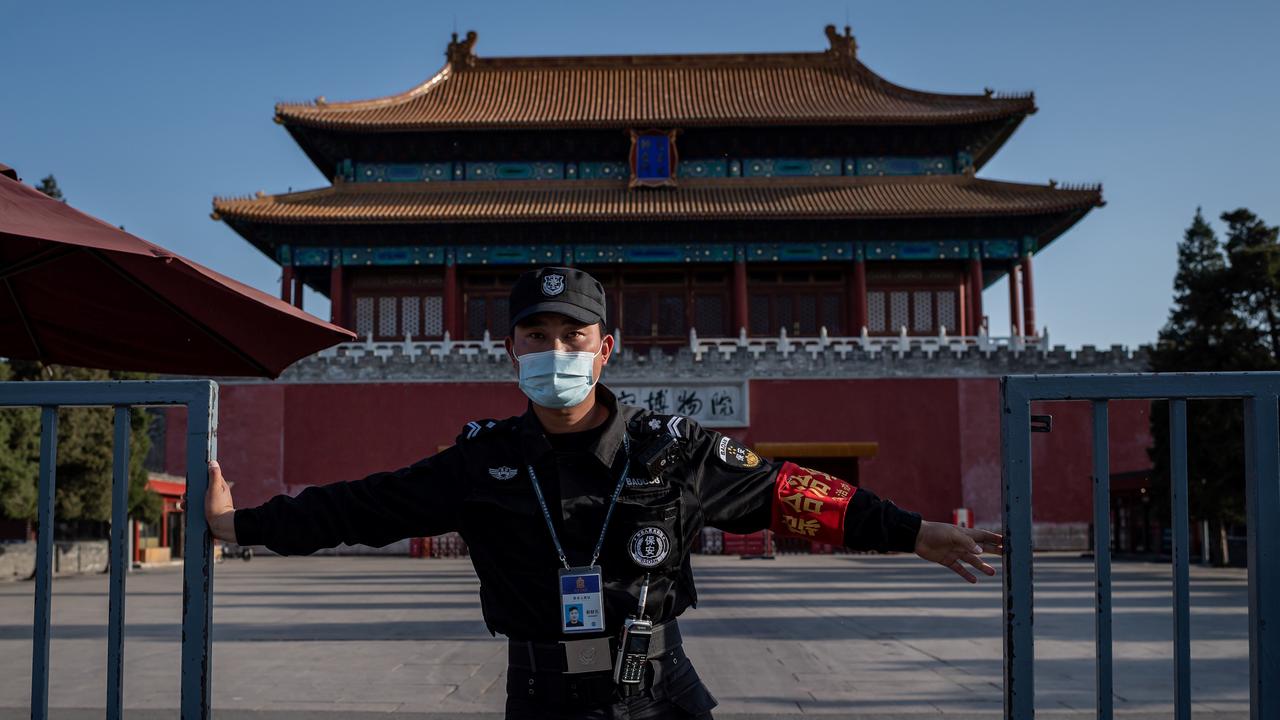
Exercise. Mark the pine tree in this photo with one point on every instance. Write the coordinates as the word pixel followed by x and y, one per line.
pixel 1255 274
pixel 19 458
pixel 85 451
pixel 1222 320
pixel 49 186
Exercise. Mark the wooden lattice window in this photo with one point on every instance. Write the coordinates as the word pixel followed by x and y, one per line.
pixel 395 317
pixel 660 305
pixel 921 311
pixel 485 302
pixel 709 315
pixel 486 311
pixel 801 301
pixel 392 304
pixel 875 313
pixel 433 316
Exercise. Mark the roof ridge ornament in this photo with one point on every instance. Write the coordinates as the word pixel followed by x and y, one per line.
pixel 843 47
pixel 461 54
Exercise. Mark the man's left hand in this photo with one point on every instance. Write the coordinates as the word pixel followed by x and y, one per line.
pixel 952 547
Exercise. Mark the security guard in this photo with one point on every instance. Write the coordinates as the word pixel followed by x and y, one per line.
pixel 580 514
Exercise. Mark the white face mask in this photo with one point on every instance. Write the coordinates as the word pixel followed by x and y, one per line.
pixel 557 378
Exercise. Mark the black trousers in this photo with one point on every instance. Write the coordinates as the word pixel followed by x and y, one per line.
pixel 672 689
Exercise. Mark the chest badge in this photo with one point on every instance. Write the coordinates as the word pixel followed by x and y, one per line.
pixel 649 546
pixel 654 424
pixel 502 473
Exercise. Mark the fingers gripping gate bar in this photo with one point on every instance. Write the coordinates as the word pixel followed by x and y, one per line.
pixel 810 504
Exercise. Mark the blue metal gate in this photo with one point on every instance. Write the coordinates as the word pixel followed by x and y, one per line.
pixel 1260 393
pixel 201 401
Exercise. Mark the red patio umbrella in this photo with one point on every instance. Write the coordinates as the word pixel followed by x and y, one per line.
pixel 77 291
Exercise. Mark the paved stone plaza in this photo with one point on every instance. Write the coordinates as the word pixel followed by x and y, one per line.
pixel 848 636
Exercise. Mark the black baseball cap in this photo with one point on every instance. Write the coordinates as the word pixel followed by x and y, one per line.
pixel 561 290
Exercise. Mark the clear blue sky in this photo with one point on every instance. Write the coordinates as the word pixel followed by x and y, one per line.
pixel 146 110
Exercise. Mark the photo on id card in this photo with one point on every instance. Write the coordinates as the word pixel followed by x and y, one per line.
pixel 581 601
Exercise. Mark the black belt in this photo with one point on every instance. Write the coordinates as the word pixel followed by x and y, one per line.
pixel 551 656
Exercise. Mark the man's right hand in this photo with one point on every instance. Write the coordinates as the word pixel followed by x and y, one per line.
pixel 219 511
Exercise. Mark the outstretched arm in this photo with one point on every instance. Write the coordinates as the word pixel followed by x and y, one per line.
pixel 742 492
pixel 418 500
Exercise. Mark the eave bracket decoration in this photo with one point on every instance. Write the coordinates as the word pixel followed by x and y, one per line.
pixel 653 158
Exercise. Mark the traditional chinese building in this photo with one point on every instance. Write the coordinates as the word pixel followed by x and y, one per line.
pixel 795 250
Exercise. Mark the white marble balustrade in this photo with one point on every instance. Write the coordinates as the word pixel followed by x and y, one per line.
pixel 488 349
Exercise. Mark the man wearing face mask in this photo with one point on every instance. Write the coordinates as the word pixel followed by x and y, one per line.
pixel 580 514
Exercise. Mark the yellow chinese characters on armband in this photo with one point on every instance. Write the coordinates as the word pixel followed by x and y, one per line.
pixel 810 504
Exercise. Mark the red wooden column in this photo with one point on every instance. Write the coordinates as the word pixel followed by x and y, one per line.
pixel 286 283
pixel 975 294
pixel 297 290
pixel 451 298
pixel 1028 298
pixel 740 311
pixel 858 298
pixel 337 290
pixel 1015 314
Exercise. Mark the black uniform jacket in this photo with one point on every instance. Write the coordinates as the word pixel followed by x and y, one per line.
pixel 481 488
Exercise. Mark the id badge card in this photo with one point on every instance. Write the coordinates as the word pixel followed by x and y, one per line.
pixel 581 600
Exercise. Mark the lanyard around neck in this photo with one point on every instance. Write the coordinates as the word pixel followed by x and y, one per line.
pixel 546 514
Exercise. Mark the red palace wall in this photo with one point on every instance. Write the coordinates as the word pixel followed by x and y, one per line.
pixel 939 438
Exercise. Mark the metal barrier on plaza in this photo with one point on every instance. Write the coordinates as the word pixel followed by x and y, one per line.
pixel 201 401
pixel 1260 393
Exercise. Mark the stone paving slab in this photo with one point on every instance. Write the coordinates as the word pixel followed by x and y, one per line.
pixel 856 636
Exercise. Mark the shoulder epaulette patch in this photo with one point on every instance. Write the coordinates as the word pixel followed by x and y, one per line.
pixel 476 428
pixel 674 425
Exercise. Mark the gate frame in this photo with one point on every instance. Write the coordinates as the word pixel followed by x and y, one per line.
pixel 200 397
pixel 1260 393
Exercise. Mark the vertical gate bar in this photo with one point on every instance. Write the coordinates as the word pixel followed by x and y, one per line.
pixel 1015 445
pixel 1262 493
pixel 197 550
pixel 1181 572
pixel 119 563
pixel 1102 558
pixel 44 563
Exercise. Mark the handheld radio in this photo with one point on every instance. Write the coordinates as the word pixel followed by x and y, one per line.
pixel 633 648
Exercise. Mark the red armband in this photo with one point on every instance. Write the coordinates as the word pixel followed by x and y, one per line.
pixel 810 504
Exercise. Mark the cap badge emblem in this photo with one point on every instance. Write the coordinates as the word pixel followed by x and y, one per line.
pixel 552 284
